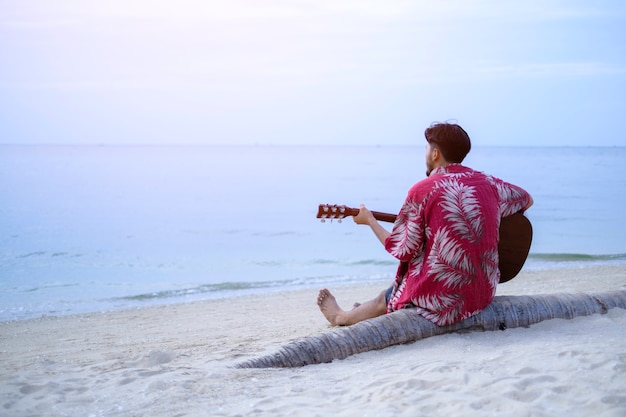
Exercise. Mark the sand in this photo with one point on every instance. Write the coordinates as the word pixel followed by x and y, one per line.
pixel 177 360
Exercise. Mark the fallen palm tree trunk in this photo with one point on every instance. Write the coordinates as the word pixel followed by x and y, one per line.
pixel 405 326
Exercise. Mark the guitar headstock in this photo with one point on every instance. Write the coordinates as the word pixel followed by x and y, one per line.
pixel 335 211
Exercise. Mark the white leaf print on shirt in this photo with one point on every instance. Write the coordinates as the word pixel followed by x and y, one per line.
pixel 489 262
pixel 406 239
pixel 447 260
pixel 462 210
pixel 512 198
pixel 441 309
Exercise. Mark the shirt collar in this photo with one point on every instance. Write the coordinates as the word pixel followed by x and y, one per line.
pixel 449 169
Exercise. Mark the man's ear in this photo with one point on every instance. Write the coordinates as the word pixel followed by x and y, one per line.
pixel 436 155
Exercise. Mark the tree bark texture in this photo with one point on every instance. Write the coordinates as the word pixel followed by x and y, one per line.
pixel 406 326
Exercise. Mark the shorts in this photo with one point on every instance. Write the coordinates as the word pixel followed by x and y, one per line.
pixel 388 295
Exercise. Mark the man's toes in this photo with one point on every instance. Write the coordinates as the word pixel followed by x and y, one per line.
pixel 322 296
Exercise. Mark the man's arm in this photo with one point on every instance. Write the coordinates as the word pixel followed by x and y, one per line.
pixel 366 217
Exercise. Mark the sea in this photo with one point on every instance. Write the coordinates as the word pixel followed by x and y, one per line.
pixel 102 228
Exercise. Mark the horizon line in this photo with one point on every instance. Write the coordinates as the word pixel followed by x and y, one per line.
pixel 192 144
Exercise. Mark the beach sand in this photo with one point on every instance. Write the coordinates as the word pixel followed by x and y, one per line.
pixel 177 360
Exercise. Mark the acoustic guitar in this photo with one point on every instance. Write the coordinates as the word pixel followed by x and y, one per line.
pixel 516 235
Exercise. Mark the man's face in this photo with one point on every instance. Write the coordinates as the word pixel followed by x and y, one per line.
pixel 430 165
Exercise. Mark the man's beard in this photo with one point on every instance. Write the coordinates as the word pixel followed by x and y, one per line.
pixel 429 169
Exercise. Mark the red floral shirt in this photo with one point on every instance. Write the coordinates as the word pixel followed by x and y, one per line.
pixel 446 238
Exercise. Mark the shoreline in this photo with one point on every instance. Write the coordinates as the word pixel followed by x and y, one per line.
pixel 134 302
pixel 177 359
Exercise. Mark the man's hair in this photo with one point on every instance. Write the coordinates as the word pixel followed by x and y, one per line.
pixel 453 142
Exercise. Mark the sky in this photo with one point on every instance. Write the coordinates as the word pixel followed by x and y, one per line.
pixel 312 72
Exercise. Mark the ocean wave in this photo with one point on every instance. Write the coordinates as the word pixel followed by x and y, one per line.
pixel 377 262
pixel 324 262
pixel 201 289
pixel 230 288
pixel 576 257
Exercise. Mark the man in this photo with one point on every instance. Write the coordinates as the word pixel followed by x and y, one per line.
pixel 445 237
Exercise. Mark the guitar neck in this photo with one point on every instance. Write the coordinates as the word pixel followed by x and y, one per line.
pixel 380 216
pixel 339 212
pixel 383 217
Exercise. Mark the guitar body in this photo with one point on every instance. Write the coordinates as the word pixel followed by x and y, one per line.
pixel 516 235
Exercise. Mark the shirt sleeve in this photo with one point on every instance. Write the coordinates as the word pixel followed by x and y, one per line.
pixel 512 199
pixel 407 236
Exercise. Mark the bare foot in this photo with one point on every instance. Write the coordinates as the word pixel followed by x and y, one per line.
pixel 329 307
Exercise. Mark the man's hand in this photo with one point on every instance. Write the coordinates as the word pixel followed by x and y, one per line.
pixel 364 217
